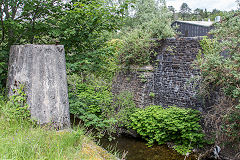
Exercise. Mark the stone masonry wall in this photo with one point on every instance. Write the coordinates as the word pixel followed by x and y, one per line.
pixel 137 81
pixel 173 77
pixel 170 81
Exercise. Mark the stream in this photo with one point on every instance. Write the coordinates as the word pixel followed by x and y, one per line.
pixel 137 149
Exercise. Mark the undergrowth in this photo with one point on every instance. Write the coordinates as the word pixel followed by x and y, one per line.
pixel 22 138
pixel 161 125
pixel 95 105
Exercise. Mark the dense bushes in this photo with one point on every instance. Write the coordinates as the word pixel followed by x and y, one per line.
pixel 90 98
pixel 173 124
pixel 219 63
pixel 93 102
pixel 87 99
pixel 136 48
pixel 151 20
pixel 124 107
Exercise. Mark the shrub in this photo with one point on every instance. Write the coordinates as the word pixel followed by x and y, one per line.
pixel 136 48
pixel 151 20
pixel 124 107
pixel 88 96
pixel 92 102
pixel 16 108
pixel 173 124
pixel 88 100
pixel 219 63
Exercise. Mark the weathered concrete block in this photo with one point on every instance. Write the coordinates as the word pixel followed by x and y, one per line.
pixel 42 71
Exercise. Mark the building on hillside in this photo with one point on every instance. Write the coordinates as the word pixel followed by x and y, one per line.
pixel 192 28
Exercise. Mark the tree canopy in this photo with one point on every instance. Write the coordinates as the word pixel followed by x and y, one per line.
pixel 77 24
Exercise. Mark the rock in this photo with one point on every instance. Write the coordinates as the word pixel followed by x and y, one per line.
pixel 42 71
pixel 212 154
pixel 216 151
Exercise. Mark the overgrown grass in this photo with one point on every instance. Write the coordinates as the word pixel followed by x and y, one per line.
pixel 22 139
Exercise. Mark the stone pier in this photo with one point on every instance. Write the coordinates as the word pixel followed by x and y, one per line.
pixel 42 71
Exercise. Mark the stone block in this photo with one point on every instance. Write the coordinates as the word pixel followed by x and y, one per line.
pixel 42 71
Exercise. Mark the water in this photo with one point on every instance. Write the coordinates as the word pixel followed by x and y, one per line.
pixel 138 150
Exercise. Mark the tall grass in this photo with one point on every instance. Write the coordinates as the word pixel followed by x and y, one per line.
pixel 22 139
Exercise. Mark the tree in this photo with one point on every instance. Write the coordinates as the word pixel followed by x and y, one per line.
pixel 24 21
pixel 151 20
pixel 238 2
pixel 205 13
pixel 198 13
pixel 78 24
pixel 185 10
pixel 215 11
pixel 82 29
pixel 154 17
pixel 171 9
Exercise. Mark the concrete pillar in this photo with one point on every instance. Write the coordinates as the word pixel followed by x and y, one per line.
pixel 42 71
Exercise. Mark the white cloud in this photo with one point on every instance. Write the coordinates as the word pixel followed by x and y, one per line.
pixel 225 5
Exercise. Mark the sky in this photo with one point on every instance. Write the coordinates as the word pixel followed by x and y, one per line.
pixel 224 5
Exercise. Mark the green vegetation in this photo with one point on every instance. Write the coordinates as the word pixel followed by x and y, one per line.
pixel 151 94
pixel 90 73
pixel 185 11
pixel 81 26
pixel 101 36
pixel 136 48
pixel 124 107
pixel 187 14
pixel 22 138
pixel 88 101
pixel 96 106
pixel 219 63
pixel 24 141
pixel 17 107
pixel 151 20
pixel 172 124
